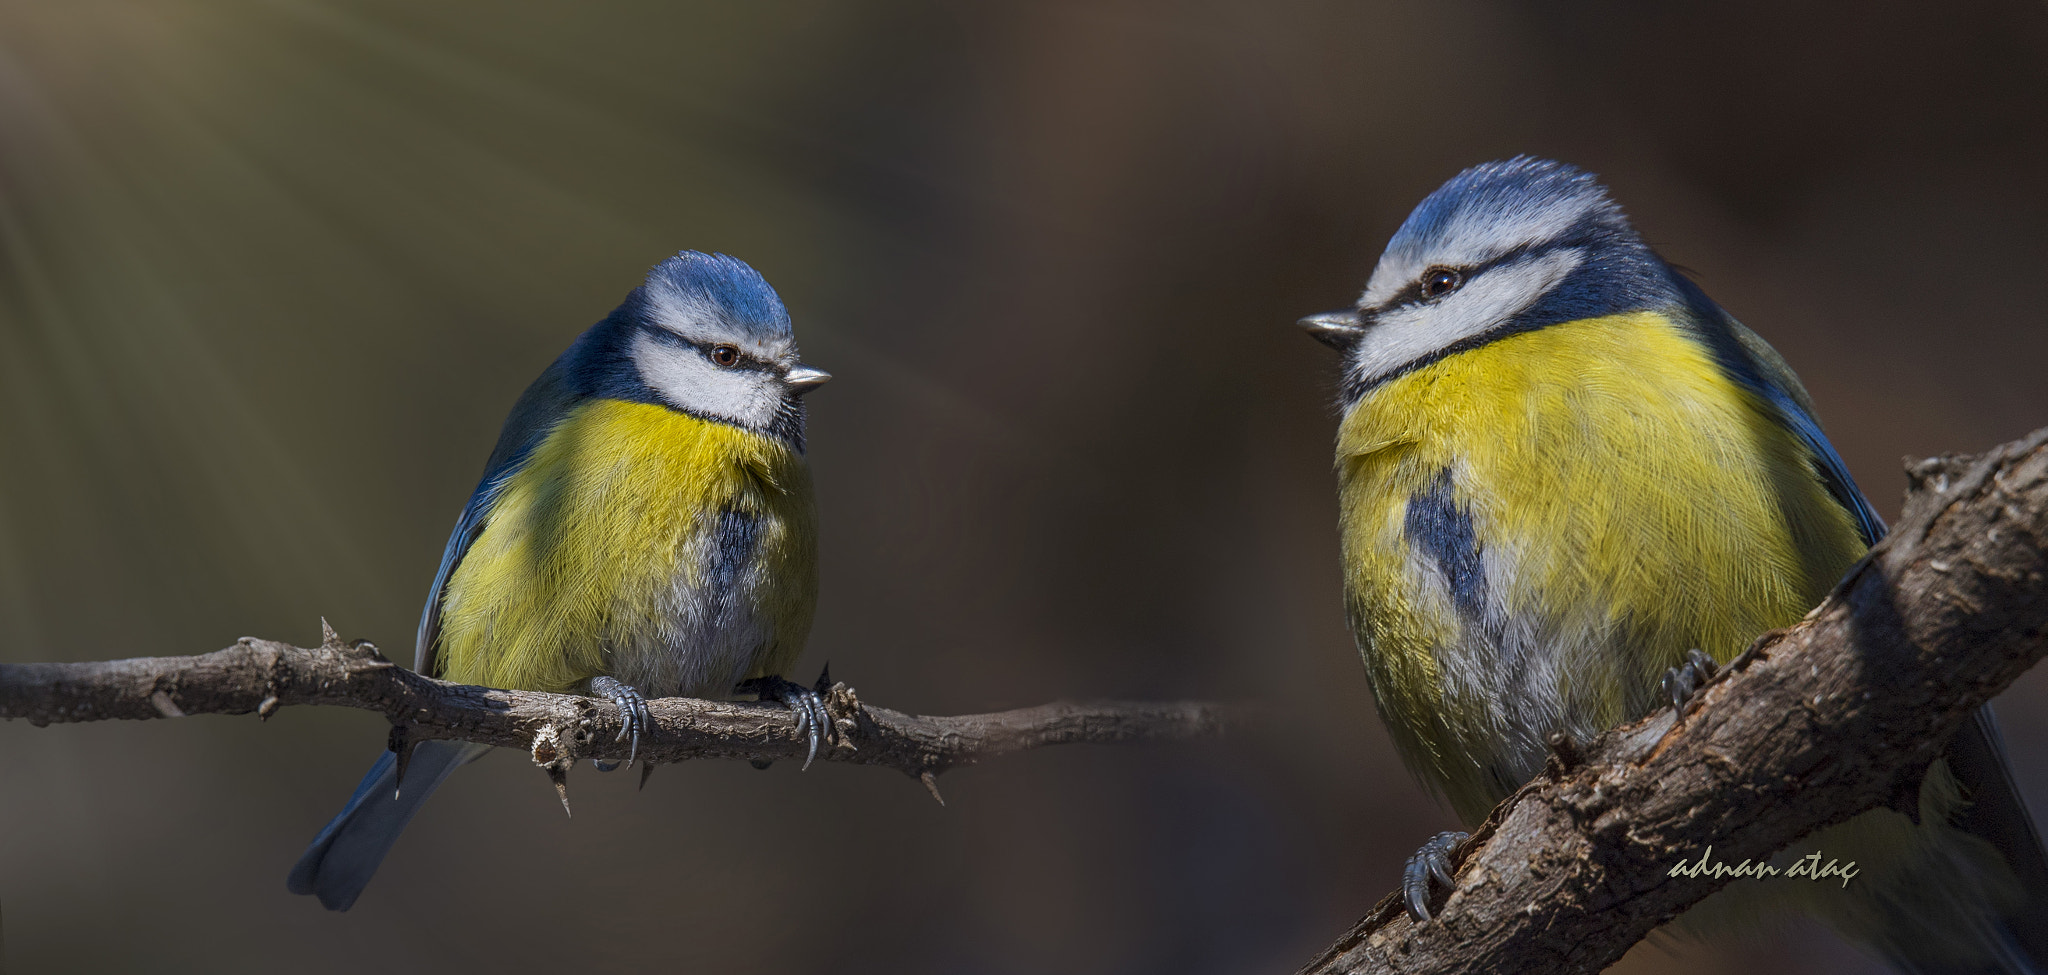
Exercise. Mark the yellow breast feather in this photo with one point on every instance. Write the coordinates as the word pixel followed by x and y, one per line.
pixel 1514 514
pixel 599 546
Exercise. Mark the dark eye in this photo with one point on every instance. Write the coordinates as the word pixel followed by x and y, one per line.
pixel 725 355
pixel 1440 281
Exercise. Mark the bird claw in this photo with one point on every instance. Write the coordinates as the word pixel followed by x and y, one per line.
pixel 813 721
pixel 1432 862
pixel 1682 681
pixel 635 718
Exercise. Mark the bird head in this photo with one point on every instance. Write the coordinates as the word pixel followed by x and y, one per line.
pixel 706 335
pixel 1503 247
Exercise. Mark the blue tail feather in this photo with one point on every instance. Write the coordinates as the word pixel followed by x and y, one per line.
pixel 341 860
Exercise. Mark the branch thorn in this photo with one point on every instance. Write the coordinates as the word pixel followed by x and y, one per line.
pixel 559 775
pixel 401 744
pixel 165 706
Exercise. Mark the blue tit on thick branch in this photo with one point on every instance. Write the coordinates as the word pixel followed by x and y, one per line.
pixel 1561 468
pixel 645 528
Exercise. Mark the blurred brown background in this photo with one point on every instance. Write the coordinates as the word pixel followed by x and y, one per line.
pixel 271 273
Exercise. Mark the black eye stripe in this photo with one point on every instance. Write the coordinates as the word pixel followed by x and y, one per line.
pixel 1413 293
pixel 1587 232
pixel 746 360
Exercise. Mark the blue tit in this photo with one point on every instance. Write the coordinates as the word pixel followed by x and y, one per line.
pixel 1560 468
pixel 645 528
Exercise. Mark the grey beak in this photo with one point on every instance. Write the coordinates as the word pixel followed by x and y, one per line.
pixel 1339 330
pixel 803 379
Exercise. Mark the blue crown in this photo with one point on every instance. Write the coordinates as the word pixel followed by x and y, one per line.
pixel 737 293
pixel 1500 202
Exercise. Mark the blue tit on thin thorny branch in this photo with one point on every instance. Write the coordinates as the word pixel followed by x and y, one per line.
pixel 645 528
pixel 1563 473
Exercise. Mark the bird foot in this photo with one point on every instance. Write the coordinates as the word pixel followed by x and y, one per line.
pixel 632 709
pixel 1432 862
pixel 812 720
pixel 1682 681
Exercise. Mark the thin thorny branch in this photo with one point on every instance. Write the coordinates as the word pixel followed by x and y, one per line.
pixel 558 729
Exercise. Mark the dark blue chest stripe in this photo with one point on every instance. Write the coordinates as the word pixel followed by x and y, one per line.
pixel 1441 530
pixel 733 548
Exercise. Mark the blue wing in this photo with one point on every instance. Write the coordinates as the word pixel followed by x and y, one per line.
pixel 1833 472
pixel 533 417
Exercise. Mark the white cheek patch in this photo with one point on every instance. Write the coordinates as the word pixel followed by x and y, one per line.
pixel 688 381
pixel 1399 336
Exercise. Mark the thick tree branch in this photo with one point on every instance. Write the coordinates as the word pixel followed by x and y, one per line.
pixel 557 729
pixel 1839 714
